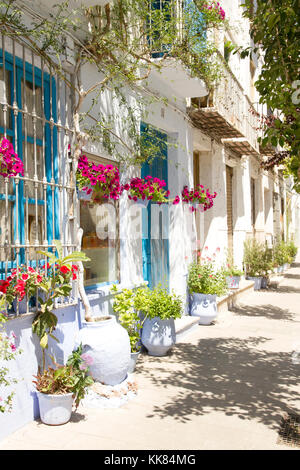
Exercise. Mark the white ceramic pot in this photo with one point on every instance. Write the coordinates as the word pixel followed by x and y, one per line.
pixel 257 281
pixel 280 269
pixel 286 266
pixel 107 342
pixel 55 409
pixel 233 282
pixel 143 202
pixel 158 335
pixel 133 360
pixel 204 306
pixel 83 196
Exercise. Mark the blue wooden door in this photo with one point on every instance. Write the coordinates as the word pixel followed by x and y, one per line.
pixel 156 246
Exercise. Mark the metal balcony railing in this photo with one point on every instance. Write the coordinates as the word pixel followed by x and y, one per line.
pixel 228 114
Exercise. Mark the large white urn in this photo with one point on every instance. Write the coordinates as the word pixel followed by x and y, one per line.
pixel 108 344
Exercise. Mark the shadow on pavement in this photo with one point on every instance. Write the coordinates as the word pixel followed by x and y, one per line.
pixel 285 288
pixel 268 311
pixel 229 375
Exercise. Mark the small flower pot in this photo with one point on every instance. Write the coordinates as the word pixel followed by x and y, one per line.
pixel 158 336
pixel 280 269
pixel 83 195
pixel 233 282
pixel 143 202
pixel 257 281
pixel 133 360
pixel 55 409
pixel 286 266
pixel 264 283
pixel 204 306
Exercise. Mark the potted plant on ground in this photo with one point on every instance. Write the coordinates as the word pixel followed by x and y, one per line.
pixel 232 273
pixel 97 182
pixel 205 283
pixel 292 249
pixel 253 261
pixel 147 189
pixel 127 305
pixel 55 284
pixel 281 256
pixel 59 387
pixel 198 196
pixel 266 266
pixel 160 310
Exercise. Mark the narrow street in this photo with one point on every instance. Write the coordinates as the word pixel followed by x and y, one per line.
pixel 225 386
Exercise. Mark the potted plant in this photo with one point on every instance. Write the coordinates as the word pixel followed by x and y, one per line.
pixel 253 261
pixel 10 163
pixel 198 196
pixel 205 283
pixel 233 276
pixel 266 266
pixel 21 287
pixel 97 182
pixel 160 310
pixel 55 284
pixel 281 256
pixel 127 305
pixel 59 387
pixel 292 249
pixel 147 189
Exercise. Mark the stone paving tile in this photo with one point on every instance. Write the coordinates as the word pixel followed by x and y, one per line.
pixel 222 387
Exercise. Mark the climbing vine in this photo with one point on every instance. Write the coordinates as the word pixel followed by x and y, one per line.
pixel 124 41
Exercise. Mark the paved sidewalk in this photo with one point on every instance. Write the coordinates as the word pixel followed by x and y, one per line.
pixel 225 386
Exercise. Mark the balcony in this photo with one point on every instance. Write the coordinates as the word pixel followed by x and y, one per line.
pixel 228 115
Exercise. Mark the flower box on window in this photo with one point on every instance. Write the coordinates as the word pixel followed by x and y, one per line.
pixel 147 189
pixel 198 196
pixel 99 182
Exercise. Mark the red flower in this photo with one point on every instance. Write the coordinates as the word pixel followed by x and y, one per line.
pixel 3 286
pixel 64 269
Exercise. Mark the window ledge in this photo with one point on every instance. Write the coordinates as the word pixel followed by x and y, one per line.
pixel 93 293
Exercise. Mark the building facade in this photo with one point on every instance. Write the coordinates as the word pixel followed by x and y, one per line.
pixel 207 139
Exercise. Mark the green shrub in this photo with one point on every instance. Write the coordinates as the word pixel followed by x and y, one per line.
pixel 281 254
pixel 254 258
pixel 127 305
pixel 205 278
pixel 163 304
pixel 292 249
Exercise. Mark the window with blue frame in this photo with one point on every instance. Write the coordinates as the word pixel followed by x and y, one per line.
pixel 29 205
pixel 103 251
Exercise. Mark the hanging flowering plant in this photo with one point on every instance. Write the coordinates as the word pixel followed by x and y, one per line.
pixel 10 163
pixel 214 10
pixel 103 181
pixel 22 282
pixel 148 188
pixel 198 196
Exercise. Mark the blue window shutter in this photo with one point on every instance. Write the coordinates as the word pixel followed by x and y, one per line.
pixel 155 252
